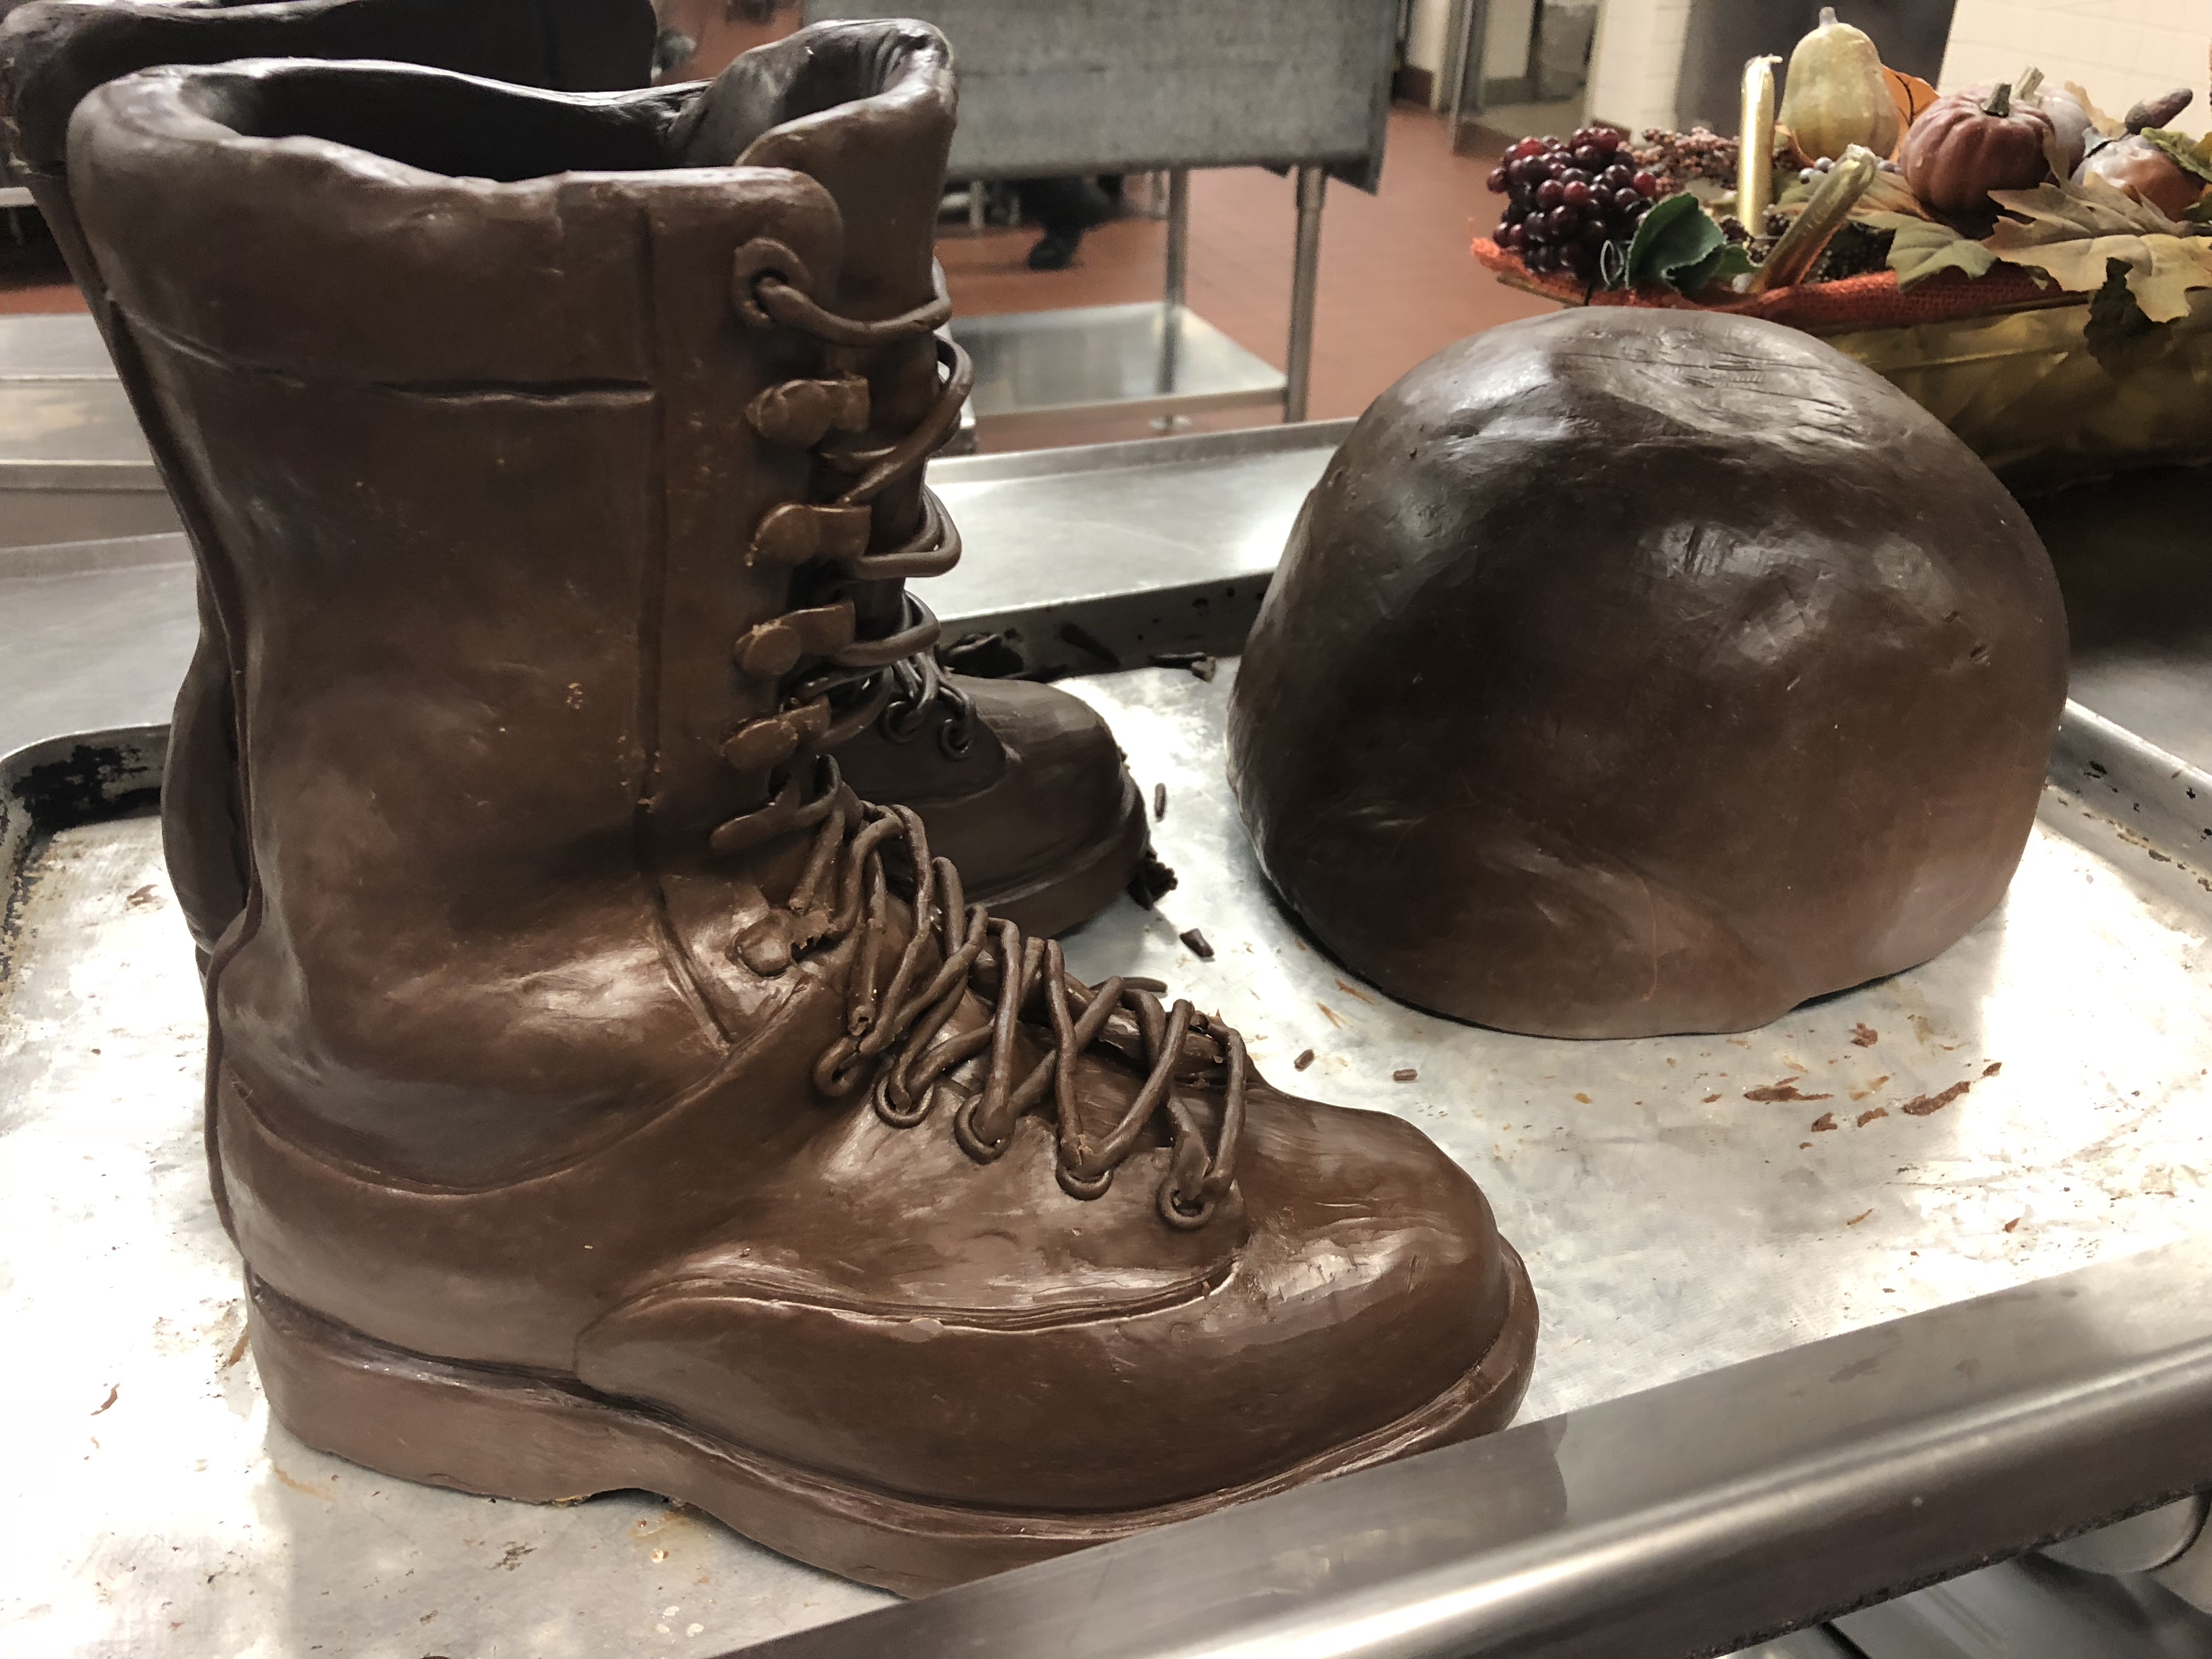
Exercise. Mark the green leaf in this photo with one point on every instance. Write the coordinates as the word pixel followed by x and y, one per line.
pixel 2188 153
pixel 1728 259
pixel 1675 242
pixel 1920 247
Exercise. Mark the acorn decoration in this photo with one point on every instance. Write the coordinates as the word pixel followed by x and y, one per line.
pixel 2149 163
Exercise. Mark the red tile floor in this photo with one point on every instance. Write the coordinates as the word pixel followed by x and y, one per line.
pixel 1396 283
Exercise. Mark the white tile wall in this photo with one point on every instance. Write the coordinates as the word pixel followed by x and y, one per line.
pixel 2119 49
pixel 1638 60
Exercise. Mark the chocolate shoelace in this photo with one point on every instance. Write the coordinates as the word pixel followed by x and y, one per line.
pixel 897 1042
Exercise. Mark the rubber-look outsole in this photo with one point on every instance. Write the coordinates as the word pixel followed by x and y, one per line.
pixel 541 1439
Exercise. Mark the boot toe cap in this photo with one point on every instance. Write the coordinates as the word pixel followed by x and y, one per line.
pixel 1357 1305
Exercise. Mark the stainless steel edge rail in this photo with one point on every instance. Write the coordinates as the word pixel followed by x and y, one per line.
pixel 1689 1519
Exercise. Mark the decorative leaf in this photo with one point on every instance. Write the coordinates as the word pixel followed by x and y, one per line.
pixel 2073 230
pixel 2189 154
pixel 1728 259
pixel 1889 193
pixel 2091 208
pixel 2097 119
pixel 1673 245
pixel 1921 247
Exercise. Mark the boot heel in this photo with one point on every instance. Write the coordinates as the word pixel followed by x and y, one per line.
pixel 496 1434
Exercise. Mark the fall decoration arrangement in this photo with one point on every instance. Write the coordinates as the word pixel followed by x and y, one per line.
pixel 1924 234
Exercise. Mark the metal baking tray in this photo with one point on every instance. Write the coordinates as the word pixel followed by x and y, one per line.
pixel 1676 1218
pixel 1678 1209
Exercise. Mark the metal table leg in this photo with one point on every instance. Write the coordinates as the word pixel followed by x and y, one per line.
pixel 1178 275
pixel 1474 38
pixel 1306 280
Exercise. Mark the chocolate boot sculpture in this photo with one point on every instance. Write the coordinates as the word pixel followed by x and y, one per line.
pixel 53 54
pixel 602 1094
pixel 1023 783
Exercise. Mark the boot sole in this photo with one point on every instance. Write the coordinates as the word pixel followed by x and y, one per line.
pixel 1080 886
pixel 541 1439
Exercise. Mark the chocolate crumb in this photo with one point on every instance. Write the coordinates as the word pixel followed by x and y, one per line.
pixel 2015 1222
pixel 1785 1090
pixel 1864 1035
pixel 1866 1118
pixel 1993 1068
pixel 1923 1105
pixel 1200 663
pixel 1304 1060
pixel 1826 1121
pixel 1199 947
pixel 1860 1217
pixel 1404 1074
pixel 1151 881
pixel 1160 801
pixel 1710 1099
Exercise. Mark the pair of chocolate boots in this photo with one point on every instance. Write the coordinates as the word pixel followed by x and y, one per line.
pixel 612 1082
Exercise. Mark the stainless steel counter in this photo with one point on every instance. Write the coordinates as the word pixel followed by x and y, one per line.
pixel 1838 1418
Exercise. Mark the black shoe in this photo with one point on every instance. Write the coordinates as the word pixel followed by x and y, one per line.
pixel 1055 252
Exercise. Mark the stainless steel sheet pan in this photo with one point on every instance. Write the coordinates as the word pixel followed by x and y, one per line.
pixel 1674 1220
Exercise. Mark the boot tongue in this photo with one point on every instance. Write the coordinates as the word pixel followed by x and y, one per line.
pixel 867 110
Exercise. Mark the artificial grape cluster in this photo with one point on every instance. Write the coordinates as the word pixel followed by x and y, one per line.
pixel 1679 157
pixel 1565 201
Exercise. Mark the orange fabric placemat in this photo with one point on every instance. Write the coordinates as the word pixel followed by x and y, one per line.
pixel 1873 300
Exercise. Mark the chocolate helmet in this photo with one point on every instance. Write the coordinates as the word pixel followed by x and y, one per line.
pixel 1632 671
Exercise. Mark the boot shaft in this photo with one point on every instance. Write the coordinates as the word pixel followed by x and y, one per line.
pixel 463 377
pixel 54 52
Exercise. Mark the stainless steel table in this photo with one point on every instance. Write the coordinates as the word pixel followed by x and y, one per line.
pixel 1845 1455
pixel 73 466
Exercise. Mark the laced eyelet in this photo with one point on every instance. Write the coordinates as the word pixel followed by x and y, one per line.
pixel 895 1116
pixel 761 260
pixel 902 719
pixel 963 1131
pixel 1172 1211
pixel 1076 1186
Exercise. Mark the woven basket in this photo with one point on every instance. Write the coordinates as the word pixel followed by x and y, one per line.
pixel 2042 390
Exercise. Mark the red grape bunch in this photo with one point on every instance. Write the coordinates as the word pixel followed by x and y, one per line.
pixel 1565 201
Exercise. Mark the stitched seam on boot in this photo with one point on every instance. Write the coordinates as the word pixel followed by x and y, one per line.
pixel 1192 1289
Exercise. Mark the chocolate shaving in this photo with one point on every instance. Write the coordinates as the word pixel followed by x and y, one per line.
pixel 1200 663
pixel 1151 881
pixel 1923 1105
pixel 1304 1060
pixel 1159 800
pixel 1785 1090
pixel 1826 1121
pixel 1199 947
pixel 1864 1035
pixel 1404 1074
